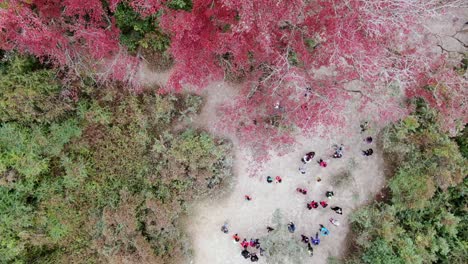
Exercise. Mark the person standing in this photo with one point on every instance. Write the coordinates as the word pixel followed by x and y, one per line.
pixel 305 239
pixel 244 243
pixel 312 204
pixel 324 231
pixel 303 191
pixel 269 179
pixel 368 152
pixel 291 227
pixel 236 238
pixel 245 253
pixel 308 157
pixel 323 204
pixel 252 242
pixel 334 222
pixel 224 228
pixel 316 240
pixel 322 163
pixel 302 170
pixel 337 209
pixel 278 179
pixel 310 249
pixel 329 194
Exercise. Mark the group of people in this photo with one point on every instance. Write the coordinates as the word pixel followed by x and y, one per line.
pixel 252 247
pixel 249 248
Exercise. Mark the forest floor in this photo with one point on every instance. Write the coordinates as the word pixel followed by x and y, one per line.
pixel 250 218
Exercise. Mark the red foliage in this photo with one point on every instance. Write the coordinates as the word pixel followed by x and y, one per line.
pixel 281 47
pixel 297 57
pixel 65 33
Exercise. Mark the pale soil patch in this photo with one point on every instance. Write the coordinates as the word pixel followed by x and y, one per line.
pixel 250 219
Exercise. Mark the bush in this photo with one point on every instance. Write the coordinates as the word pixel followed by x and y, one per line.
pixel 425 221
pixel 29 94
pixel 280 246
pixel 139 32
pixel 101 181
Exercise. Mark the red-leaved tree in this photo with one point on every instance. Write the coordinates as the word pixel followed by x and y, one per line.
pixel 297 58
pixel 67 33
pixel 302 62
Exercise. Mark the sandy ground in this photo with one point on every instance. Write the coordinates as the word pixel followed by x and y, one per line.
pixel 250 219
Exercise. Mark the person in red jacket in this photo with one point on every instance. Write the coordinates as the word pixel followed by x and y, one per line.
pixel 322 163
pixel 244 243
pixel 312 204
pixel 303 191
pixel 323 204
pixel 278 179
pixel 236 237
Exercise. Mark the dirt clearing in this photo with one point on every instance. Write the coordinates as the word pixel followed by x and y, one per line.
pixel 355 179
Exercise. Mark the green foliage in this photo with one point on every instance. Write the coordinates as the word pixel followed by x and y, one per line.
pixel 293 59
pixel 181 5
pixel 280 245
pixel 195 149
pixel 28 93
pixel 139 32
pixel 462 141
pixel 425 220
pixel 65 180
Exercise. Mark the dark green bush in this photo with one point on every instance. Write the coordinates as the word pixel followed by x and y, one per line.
pixel 425 220
pixel 139 32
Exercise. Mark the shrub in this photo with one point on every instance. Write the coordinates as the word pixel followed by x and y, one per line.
pixel 30 94
pixel 422 223
pixel 139 32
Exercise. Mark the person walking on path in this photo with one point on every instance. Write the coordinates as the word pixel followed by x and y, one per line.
pixel 236 238
pixel 278 179
pixel 308 157
pixel 322 163
pixel 338 151
pixel 304 239
pixel 316 240
pixel 337 209
pixel 324 231
pixel 291 227
pixel 269 229
pixel 329 194
pixel 247 197
pixel 368 140
pixel 269 179
pixel 323 204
